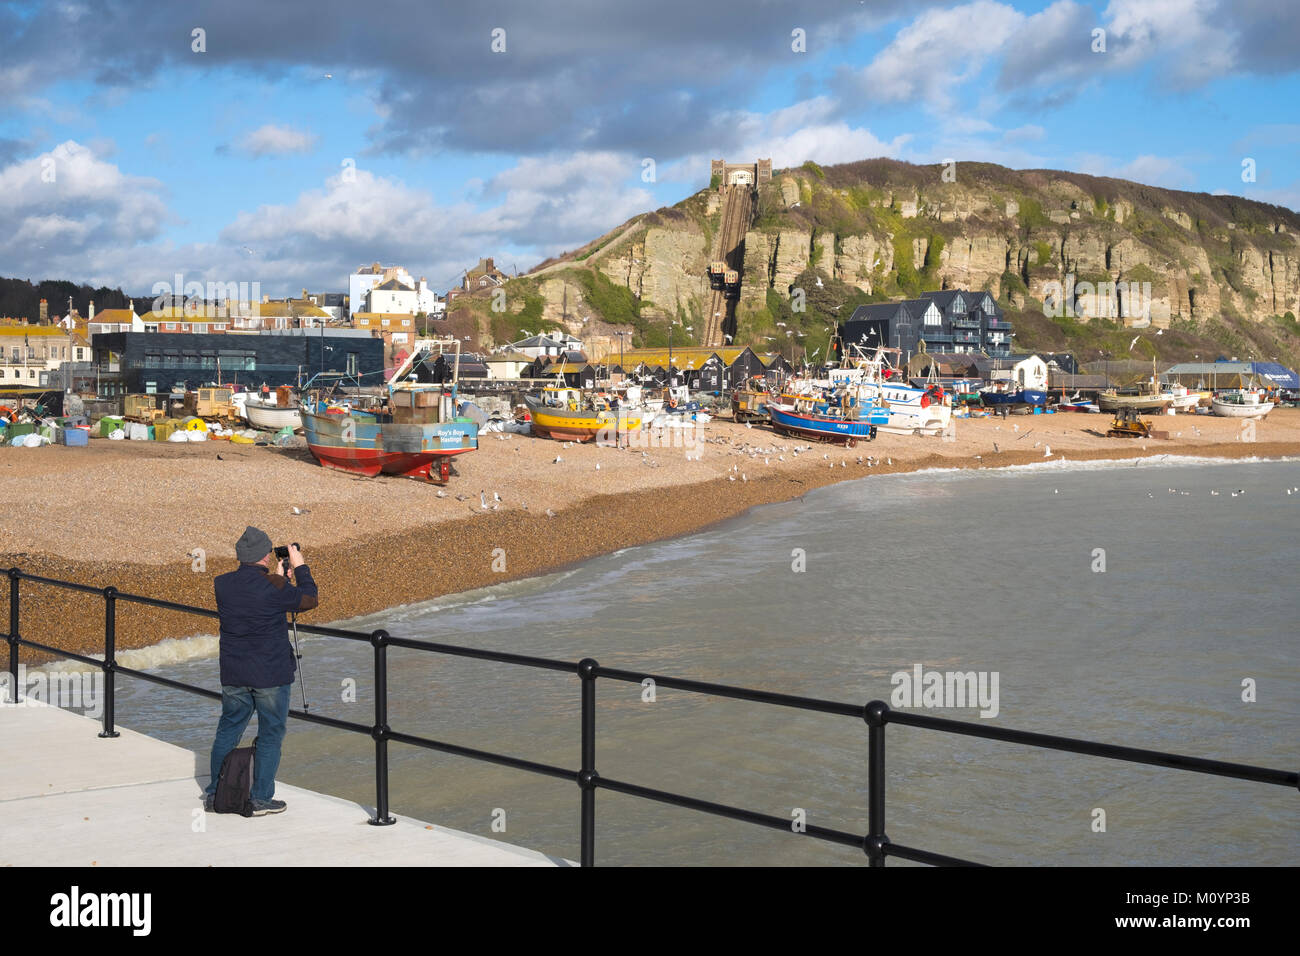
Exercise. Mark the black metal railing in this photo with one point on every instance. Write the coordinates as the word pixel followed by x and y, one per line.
pixel 877 714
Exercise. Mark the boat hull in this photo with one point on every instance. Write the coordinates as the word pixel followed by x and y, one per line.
pixel 272 417
pixel 371 445
pixel 1142 403
pixel 1234 410
pixel 1025 396
pixel 821 428
pixel 563 424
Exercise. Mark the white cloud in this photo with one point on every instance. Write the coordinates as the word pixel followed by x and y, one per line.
pixel 558 202
pixel 272 140
pixel 790 136
pixel 71 184
pixel 1047 56
pixel 937 52
pixel 1191 34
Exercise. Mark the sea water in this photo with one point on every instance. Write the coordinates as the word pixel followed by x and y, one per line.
pixel 1149 604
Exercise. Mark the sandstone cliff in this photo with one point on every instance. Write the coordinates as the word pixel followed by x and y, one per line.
pixel 881 229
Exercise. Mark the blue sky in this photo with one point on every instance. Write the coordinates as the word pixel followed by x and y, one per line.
pixel 299 143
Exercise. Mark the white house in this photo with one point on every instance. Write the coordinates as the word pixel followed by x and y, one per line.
pixel 392 297
pixel 1027 371
pixel 507 364
pixel 112 320
pixel 408 295
pixel 548 344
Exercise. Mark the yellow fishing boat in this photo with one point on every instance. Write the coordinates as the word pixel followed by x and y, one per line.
pixel 569 414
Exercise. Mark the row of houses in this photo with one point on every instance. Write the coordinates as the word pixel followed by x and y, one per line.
pixel 702 369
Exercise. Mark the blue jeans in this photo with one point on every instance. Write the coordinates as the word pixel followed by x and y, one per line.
pixel 237 706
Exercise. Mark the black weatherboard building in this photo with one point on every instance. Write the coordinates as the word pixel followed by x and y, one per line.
pixel 953 320
pixel 160 361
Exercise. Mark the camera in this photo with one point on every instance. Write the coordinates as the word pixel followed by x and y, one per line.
pixel 282 552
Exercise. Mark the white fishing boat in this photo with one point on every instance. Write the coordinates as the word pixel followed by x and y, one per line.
pixel 271 416
pixel 912 410
pixel 1241 404
pixel 1181 398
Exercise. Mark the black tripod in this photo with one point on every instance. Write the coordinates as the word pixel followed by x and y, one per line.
pixel 302 684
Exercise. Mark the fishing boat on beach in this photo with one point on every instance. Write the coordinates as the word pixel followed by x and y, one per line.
pixel 415 436
pixel 1181 398
pixel 1113 401
pixel 570 414
pixel 842 415
pixel 283 412
pixel 272 417
pixel 997 397
pixel 1245 403
pixel 925 410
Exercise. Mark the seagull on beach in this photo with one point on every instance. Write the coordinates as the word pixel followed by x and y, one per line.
pixel 558 459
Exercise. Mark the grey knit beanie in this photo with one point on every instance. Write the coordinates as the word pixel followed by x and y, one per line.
pixel 253 545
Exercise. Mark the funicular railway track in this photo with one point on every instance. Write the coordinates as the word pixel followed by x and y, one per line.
pixel 727 262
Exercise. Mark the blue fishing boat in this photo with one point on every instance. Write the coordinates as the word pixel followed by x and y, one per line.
pixel 1023 396
pixel 841 417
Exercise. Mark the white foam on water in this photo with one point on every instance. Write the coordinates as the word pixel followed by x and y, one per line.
pixel 1067 465
pixel 170 651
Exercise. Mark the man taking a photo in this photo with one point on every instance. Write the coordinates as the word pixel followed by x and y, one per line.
pixel 257 661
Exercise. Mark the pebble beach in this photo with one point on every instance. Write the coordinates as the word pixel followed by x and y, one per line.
pixel 161 519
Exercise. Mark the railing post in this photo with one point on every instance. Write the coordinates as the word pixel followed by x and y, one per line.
pixel 587 776
pixel 379 639
pixel 14 578
pixel 110 658
pixel 876 715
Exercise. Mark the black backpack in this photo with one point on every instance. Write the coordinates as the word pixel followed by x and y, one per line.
pixel 235 783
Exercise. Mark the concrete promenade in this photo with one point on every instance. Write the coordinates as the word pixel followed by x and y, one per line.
pixel 70 798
